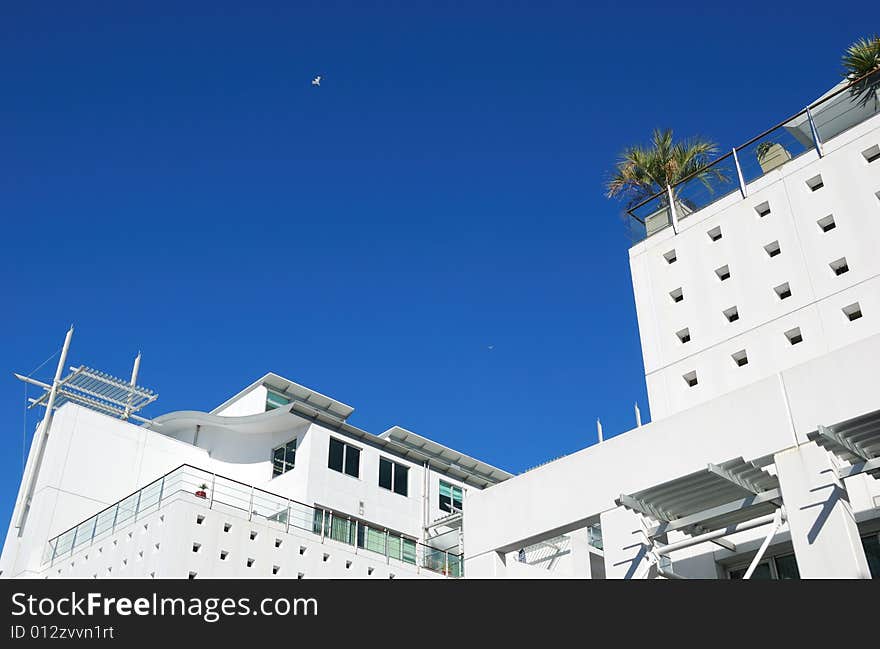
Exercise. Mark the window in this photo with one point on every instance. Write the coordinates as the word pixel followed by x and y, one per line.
pixel 783 291
pixel 684 335
pixel 763 209
pixel 275 400
pixel 715 233
pixel 853 311
pixel 732 314
pixel 740 358
pixel 871 543
pixel 872 153
pixel 690 378
pixel 794 336
pixel 839 267
pixel 772 249
pixel 781 567
pixel 723 272
pixel 815 183
pixel 283 458
pixel 393 476
pixel 670 257
pixel 676 295
pixel 450 497
pixel 826 223
pixel 344 458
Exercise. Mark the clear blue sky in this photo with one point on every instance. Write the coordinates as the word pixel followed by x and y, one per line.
pixel 171 182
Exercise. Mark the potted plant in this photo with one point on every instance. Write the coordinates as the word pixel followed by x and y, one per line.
pixel 202 491
pixel 771 155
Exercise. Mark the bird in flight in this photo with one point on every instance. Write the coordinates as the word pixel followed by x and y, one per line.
pixel 316 81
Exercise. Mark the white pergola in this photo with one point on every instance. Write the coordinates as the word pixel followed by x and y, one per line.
pixel 707 506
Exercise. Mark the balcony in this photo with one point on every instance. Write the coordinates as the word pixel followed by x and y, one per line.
pixel 838 111
pixel 214 490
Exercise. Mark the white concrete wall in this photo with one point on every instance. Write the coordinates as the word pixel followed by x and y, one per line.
pixel 818 295
pixel 251 403
pixel 160 545
pixel 755 421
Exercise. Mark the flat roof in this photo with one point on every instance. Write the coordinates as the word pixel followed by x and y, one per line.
pixel 295 392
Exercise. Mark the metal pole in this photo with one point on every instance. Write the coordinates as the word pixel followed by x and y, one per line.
pixel 287 528
pixel 742 183
pixel 446 563
pixel 137 506
pixel 638 415
pixel 387 558
pixel 251 505
pixel 323 523
pixel 816 139
pixel 673 215
pixel 777 523
pixel 133 383
pixel 213 482
pixel 599 430
pixel 356 530
pixel 716 534
pixel 161 490
pixel 32 469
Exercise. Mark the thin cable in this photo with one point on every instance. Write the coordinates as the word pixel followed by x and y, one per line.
pixel 24 413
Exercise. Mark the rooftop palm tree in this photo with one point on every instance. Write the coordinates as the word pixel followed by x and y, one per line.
pixel 643 171
pixel 861 59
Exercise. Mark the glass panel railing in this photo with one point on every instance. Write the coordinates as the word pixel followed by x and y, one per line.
pixel 649 218
pixel 776 147
pixel 844 108
pixel 840 112
pixel 706 187
pixel 256 502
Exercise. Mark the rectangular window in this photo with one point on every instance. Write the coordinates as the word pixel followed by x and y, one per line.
pixel 450 497
pixel 283 458
pixel 344 458
pixel 275 400
pixel 393 476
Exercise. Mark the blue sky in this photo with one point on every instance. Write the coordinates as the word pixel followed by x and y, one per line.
pixel 171 182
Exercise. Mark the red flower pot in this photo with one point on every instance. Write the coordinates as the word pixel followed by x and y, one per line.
pixel 201 494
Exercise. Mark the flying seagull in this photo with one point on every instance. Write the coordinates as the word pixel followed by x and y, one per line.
pixel 316 81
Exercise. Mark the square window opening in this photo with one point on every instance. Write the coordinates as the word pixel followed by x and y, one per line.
pixel 740 358
pixel 853 311
pixel 763 209
pixel 872 153
pixel 684 335
pixel 839 266
pixel 772 249
pixel 826 224
pixel 815 183
pixel 715 233
pixel 670 257
pixel 732 314
pixel 794 336
pixel 783 291
pixel 690 378
pixel 723 272
pixel 677 295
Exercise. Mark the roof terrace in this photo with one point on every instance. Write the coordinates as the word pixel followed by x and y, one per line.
pixel 846 105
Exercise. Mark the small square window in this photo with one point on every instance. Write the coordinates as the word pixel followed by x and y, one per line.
pixel 253 535
pixel 197 547
pixel 684 335
pixel 223 555
pixel 773 249
pixel 277 543
pixel 763 209
pixel 871 154
pixel 794 335
pixel 670 257
pixel 250 563
pixel 732 314
pixel 723 272
pixel 715 233
pixel 275 569
pixel 690 378
pixel 676 295
pixel 740 358
pixel 839 266
pixel 853 311
pixel 826 224
pixel 815 183
pixel 226 527
pixel 783 291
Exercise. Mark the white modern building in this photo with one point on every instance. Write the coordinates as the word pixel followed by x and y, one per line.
pixel 758 299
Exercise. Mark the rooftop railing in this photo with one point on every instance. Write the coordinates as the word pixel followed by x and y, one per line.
pixel 286 514
pixel 841 110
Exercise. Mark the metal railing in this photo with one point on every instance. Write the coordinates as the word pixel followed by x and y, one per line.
pixel 285 513
pixel 846 107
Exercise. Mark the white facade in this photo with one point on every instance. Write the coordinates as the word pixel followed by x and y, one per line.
pixel 769 421
pixel 849 196
pixel 93 461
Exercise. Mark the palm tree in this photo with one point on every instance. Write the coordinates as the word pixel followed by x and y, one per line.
pixel 860 60
pixel 642 171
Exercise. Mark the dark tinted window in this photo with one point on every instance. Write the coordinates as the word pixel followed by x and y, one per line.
pixel 337 450
pixel 385 467
pixel 352 460
pixel 400 479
